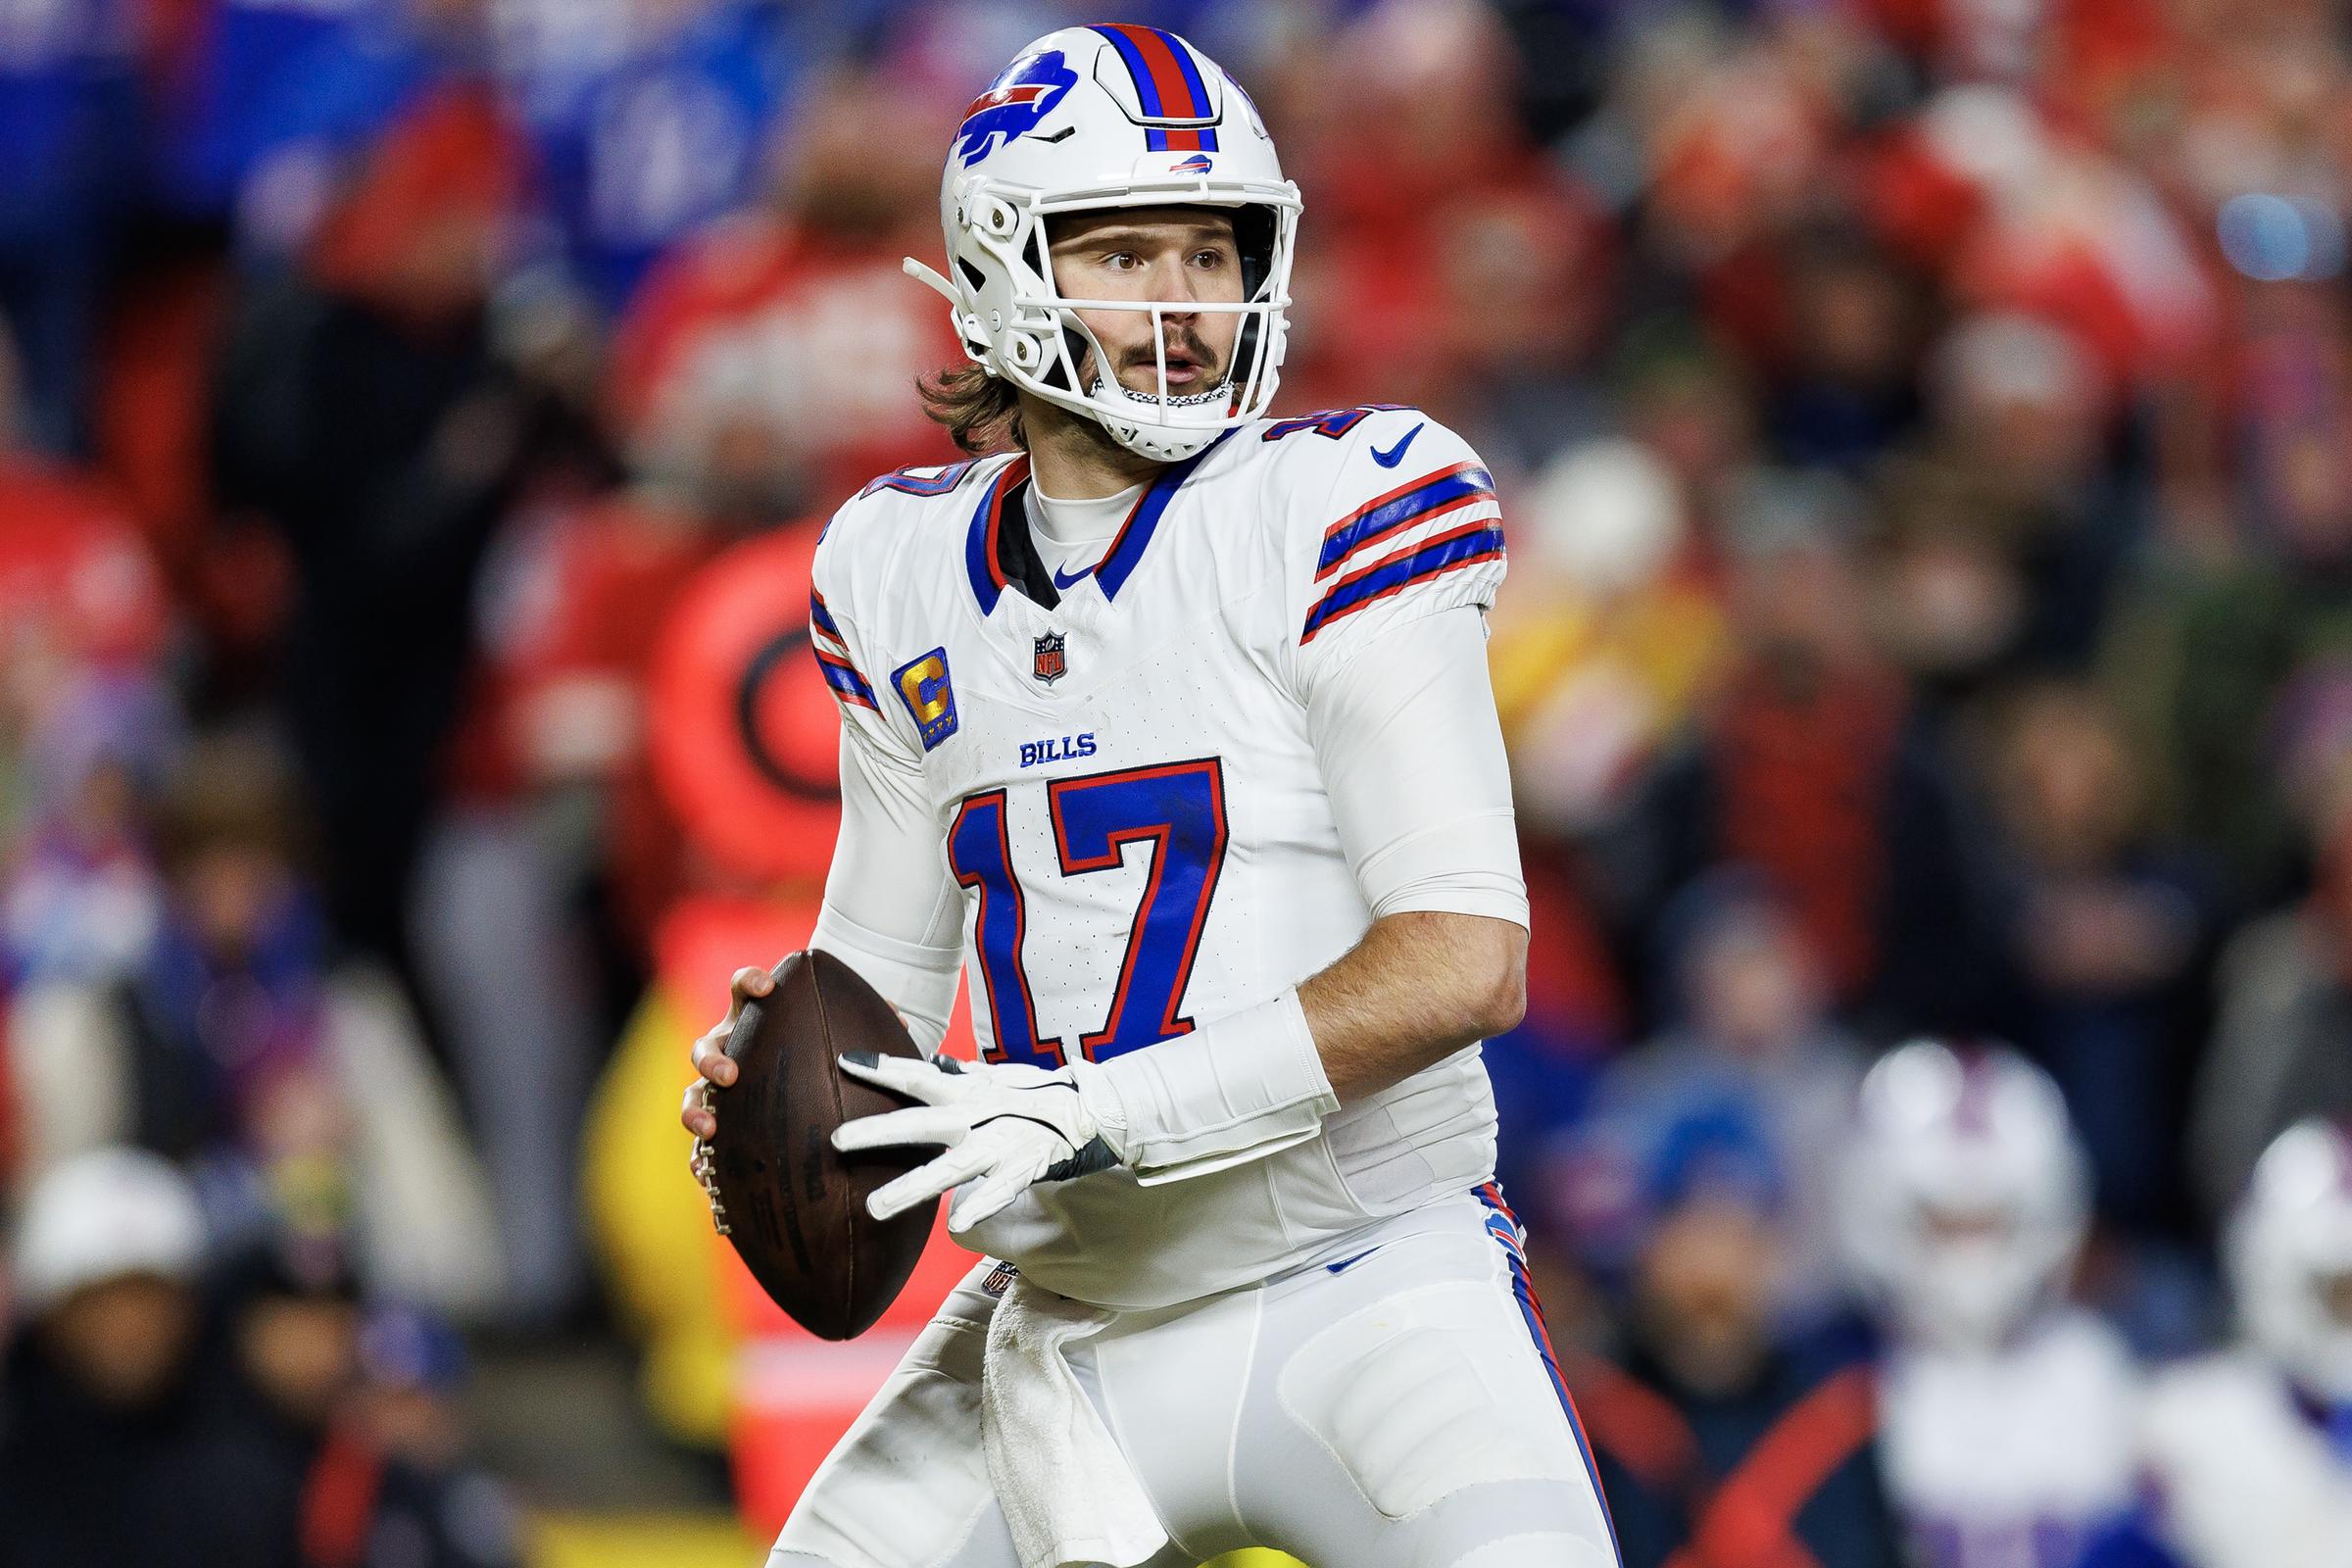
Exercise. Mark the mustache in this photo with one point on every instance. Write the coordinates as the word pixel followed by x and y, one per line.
pixel 1180 341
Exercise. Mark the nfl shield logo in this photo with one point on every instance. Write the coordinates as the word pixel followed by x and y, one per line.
pixel 1051 666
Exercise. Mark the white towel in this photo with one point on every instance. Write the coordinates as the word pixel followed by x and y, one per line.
pixel 1069 1495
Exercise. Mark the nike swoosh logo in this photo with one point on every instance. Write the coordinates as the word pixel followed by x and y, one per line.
pixel 1072 580
pixel 1395 454
pixel 1346 1263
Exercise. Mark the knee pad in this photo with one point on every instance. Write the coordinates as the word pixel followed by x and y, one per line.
pixel 1422 1394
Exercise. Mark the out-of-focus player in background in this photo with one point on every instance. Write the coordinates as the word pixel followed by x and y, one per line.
pixel 1173 726
pixel 2247 1453
pixel 2005 1415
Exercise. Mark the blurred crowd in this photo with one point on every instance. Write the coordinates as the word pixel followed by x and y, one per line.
pixel 1925 431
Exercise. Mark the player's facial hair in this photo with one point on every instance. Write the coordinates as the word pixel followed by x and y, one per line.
pixel 1182 340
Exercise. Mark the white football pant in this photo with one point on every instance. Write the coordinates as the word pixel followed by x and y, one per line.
pixel 1392 1406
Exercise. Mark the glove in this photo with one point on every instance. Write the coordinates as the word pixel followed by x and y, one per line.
pixel 1005 1125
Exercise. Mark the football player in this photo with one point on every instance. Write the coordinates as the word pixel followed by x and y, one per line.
pixel 2248 1452
pixel 2005 1415
pixel 1172 727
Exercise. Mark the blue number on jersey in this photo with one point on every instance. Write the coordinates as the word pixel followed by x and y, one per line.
pixel 981 856
pixel 1179 809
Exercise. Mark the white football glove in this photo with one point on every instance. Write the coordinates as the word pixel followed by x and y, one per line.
pixel 1004 1126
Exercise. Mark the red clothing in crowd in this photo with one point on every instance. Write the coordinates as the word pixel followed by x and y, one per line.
pixel 832 335
pixel 558 694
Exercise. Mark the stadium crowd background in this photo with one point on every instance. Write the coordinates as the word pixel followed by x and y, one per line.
pixel 1925 430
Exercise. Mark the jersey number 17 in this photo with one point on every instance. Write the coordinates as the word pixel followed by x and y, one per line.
pixel 1176 807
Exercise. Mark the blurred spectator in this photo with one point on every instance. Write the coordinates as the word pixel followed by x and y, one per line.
pixel 121 1435
pixel 299 1087
pixel 2248 1452
pixel 2013 455
pixel 222 75
pixel 1841 376
pixel 2105 932
pixel 550 808
pixel 324 105
pixel 1606 635
pixel 799 302
pixel 77 583
pixel 2006 1415
pixel 1810 766
pixel 80 897
pixel 387 515
pixel 2281 1048
pixel 1448 265
pixel 292 1310
pixel 1721 1442
pixel 2230 649
pixel 66 96
pixel 82 612
pixel 431 1505
pixel 346 1403
pixel 669 132
pixel 1747 1041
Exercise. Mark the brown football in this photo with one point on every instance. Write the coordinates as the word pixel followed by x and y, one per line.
pixel 792 1206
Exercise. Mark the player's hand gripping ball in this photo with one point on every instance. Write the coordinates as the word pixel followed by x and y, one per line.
pixel 1004 1126
pixel 795 1208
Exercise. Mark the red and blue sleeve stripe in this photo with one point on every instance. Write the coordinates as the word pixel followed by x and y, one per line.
pixel 833 656
pixel 821 620
pixel 1168 84
pixel 843 677
pixel 1391 574
pixel 1432 495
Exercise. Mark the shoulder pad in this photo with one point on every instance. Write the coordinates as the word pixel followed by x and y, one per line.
pixel 1390 506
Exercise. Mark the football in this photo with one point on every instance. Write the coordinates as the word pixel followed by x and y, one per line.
pixel 794 1206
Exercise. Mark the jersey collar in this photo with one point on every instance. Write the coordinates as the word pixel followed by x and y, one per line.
pixel 981 561
pixel 984 565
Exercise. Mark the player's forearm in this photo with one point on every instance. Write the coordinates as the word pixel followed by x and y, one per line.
pixel 1419 987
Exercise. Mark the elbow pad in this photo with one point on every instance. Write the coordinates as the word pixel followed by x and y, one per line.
pixel 1233 1091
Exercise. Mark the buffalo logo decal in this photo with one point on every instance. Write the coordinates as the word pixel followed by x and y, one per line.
pixel 1017 103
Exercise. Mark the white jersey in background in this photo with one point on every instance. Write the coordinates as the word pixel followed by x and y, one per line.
pixel 2015 1458
pixel 1155 803
pixel 2240 1473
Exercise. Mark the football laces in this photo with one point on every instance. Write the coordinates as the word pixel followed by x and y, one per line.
pixel 704 1166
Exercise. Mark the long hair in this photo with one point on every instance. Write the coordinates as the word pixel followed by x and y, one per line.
pixel 981 412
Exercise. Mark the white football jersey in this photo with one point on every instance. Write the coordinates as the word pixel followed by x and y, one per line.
pixel 1127 794
pixel 2011 1458
pixel 2242 1476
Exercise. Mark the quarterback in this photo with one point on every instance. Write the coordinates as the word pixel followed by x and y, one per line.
pixel 1170 728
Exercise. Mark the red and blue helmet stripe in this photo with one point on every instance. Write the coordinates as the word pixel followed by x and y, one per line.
pixel 1168 85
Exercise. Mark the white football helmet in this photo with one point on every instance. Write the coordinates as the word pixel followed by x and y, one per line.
pixel 1966 1196
pixel 1107 117
pixel 2289 1252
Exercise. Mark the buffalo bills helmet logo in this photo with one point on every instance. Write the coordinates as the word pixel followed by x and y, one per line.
pixel 1014 106
pixel 1198 164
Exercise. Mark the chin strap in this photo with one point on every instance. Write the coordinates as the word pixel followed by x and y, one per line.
pixel 1104 386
